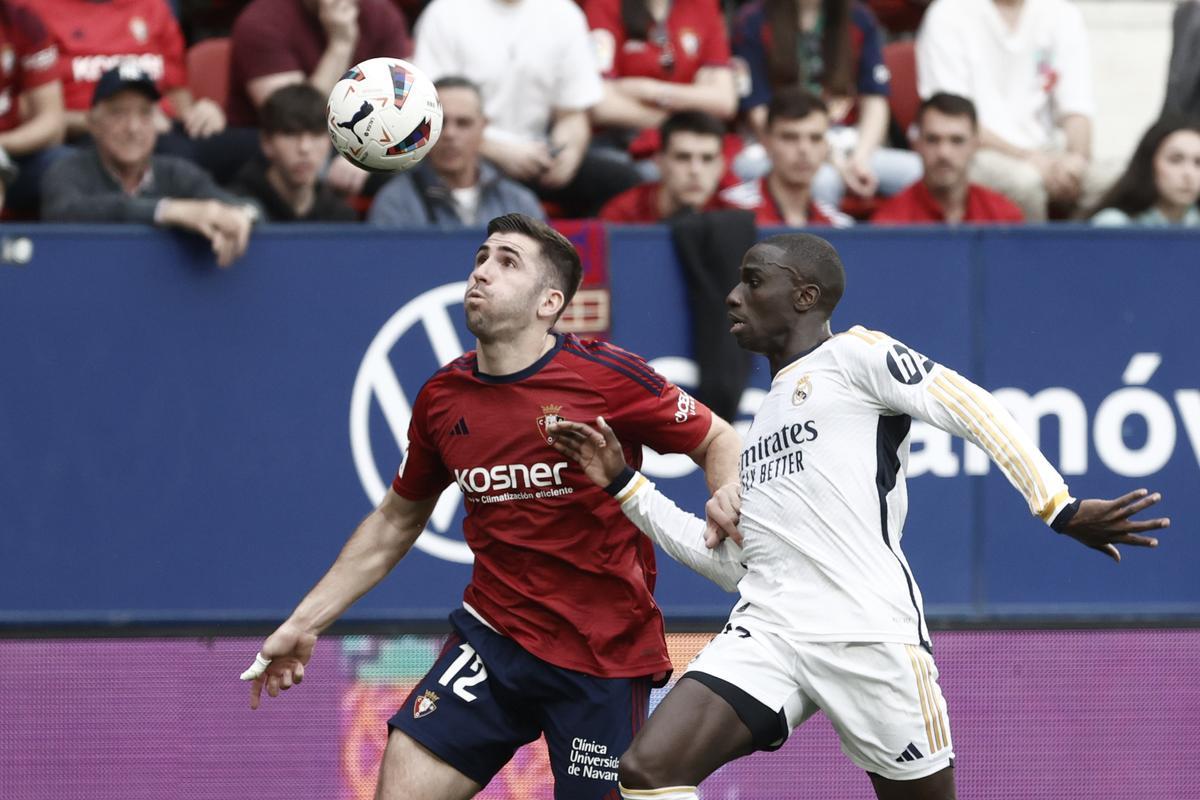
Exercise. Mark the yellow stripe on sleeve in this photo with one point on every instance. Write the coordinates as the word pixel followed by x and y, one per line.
pixel 970 391
pixel 997 447
pixel 635 486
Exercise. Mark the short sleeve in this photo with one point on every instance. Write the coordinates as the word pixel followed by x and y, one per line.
pixel 645 407
pixel 37 53
pixel 436 50
pixel 872 75
pixel 422 474
pixel 1073 91
pixel 715 47
pixel 578 86
pixel 390 32
pixel 170 44
pixel 259 49
pixel 942 64
pixel 607 33
pixel 748 45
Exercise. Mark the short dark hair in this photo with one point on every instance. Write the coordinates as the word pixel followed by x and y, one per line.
pixel 812 258
pixel 295 108
pixel 458 82
pixel 794 102
pixel 566 270
pixel 952 105
pixel 689 122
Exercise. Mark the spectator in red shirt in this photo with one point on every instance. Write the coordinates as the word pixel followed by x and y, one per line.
pixel 947 138
pixel 691 163
pixel 29 77
pixel 796 141
pixel 277 42
pixel 658 57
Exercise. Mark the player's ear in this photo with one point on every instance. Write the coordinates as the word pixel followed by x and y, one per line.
pixel 805 296
pixel 552 302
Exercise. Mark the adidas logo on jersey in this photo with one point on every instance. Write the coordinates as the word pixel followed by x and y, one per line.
pixel 911 753
pixel 460 428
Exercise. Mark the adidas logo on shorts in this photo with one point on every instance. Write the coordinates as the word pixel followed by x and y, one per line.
pixel 911 753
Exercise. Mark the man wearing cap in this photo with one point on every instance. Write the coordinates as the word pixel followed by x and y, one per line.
pixel 119 179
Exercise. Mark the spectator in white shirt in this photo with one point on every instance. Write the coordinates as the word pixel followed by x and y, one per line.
pixel 1025 65
pixel 533 63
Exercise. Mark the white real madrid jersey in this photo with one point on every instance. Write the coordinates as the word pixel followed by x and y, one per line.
pixel 823 490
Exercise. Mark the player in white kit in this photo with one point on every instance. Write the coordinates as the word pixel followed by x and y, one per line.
pixel 830 617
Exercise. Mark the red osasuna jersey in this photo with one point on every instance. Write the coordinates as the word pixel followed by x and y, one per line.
pixel 93 37
pixel 28 59
pixel 558 567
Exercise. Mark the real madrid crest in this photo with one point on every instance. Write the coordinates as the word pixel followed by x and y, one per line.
pixel 549 417
pixel 802 391
pixel 425 705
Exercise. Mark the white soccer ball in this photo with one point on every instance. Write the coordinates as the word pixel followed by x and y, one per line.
pixel 384 115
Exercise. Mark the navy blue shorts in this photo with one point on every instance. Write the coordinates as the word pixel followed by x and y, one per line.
pixel 486 696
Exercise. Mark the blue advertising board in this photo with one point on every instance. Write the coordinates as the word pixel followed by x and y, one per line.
pixel 180 443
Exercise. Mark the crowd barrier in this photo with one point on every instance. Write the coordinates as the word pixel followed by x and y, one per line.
pixel 184 444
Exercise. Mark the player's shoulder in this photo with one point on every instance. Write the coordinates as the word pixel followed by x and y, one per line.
pixel 859 338
pixel 606 364
pixel 462 367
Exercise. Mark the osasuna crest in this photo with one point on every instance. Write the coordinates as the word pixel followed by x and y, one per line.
pixel 425 705
pixel 802 391
pixel 549 417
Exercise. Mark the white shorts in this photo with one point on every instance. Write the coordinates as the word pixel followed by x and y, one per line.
pixel 882 698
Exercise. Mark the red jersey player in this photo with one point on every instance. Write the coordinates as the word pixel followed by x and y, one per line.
pixel 559 633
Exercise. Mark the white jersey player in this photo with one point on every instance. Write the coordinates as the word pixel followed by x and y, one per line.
pixel 829 617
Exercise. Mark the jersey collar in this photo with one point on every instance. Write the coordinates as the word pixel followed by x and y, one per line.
pixel 529 371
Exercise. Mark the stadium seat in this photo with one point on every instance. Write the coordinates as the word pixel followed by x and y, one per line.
pixel 901 61
pixel 208 70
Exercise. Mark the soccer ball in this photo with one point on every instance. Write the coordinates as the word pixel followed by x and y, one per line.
pixel 384 115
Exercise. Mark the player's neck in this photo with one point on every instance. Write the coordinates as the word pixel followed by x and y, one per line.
pixel 805 336
pixel 793 200
pixel 507 356
pixel 952 199
pixel 299 198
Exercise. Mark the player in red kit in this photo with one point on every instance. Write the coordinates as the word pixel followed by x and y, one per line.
pixel 559 633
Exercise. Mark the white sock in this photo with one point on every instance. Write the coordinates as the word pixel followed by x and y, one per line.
pixel 665 793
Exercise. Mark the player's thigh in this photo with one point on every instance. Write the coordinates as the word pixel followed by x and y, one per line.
pixel 885 703
pixel 465 713
pixel 938 786
pixel 410 772
pixel 587 729
pixel 737 696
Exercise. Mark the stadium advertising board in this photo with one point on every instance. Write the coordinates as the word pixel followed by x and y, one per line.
pixel 179 443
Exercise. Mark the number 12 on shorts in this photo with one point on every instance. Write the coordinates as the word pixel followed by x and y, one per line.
pixel 471 666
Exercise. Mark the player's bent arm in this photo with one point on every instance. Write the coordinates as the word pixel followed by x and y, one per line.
pixel 678 533
pixel 718 454
pixel 375 547
pixel 902 380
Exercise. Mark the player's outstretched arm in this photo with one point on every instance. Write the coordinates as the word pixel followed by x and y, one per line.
pixel 1103 524
pixel 681 535
pixel 374 548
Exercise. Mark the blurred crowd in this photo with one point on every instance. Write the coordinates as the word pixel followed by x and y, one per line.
pixel 209 115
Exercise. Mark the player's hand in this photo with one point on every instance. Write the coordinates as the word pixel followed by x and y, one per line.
pixel 858 176
pixel 596 450
pixel 339 18
pixel 563 166
pixel 524 161
pixel 1103 524
pixel 344 177
pixel 204 119
pixel 723 512
pixel 279 665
